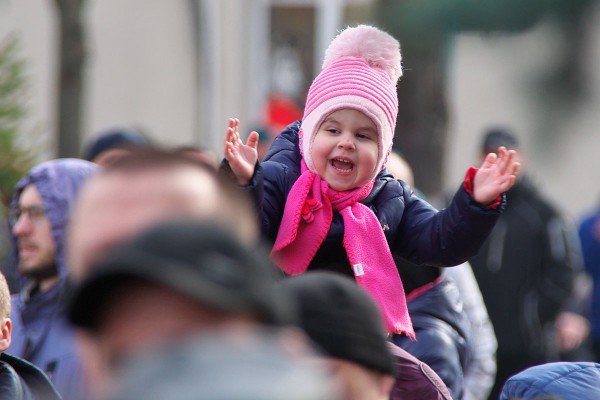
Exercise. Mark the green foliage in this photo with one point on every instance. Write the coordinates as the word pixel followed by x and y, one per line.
pixel 15 160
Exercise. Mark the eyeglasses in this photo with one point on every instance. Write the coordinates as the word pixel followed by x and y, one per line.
pixel 34 213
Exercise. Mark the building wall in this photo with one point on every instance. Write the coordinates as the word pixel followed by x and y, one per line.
pixel 180 72
pixel 141 67
pixel 493 81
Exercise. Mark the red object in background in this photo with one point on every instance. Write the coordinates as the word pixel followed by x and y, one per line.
pixel 281 111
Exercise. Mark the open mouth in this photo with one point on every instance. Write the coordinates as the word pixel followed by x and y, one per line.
pixel 342 165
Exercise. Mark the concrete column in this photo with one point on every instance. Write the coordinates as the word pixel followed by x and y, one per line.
pixel 328 20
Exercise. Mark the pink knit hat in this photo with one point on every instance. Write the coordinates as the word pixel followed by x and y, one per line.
pixel 361 68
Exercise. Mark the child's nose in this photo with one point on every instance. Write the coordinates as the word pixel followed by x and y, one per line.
pixel 346 142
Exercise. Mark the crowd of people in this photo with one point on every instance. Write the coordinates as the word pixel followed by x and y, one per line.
pixel 314 272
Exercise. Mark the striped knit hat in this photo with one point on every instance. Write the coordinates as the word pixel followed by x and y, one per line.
pixel 361 68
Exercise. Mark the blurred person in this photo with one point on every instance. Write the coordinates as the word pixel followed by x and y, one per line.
pixel 185 310
pixel 322 192
pixel 572 325
pixel 400 168
pixel 346 324
pixel 201 154
pixel 554 381
pixel 478 366
pixel 39 213
pixel 589 236
pixel 19 379
pixel 112 144
pixel 415 379
pixel 526 271
pixel 148 187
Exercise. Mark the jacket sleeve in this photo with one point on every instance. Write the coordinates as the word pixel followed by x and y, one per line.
pixel 562 263
pixel 447 237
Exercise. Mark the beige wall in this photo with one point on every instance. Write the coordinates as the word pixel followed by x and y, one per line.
pixel 142 69
pixel 491 79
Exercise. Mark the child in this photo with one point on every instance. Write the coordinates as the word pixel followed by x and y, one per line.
pixel 325 200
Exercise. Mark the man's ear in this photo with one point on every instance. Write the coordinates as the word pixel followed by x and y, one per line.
pixel 5 334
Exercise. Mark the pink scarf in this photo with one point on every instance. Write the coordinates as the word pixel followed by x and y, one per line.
pixel 306 221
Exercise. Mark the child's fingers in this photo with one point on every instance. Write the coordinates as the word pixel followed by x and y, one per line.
pixel 505 160
pixel 230 135
pixel 489 160
pixel 516 167
pixel 228 151
pixel 253 140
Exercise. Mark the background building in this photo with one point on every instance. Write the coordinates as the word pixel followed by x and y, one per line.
pixel 180 68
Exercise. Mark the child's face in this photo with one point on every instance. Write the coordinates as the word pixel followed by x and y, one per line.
pixel 345 149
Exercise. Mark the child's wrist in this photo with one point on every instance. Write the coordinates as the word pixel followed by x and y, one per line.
pixel 469 185
pixel 243 182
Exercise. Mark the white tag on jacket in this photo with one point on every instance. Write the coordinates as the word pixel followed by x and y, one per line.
pixel 358 270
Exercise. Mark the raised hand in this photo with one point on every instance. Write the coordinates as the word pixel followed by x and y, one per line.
pixel 242 157
pixel 496 175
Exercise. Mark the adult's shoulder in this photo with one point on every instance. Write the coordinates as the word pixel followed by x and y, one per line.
pixel 571 379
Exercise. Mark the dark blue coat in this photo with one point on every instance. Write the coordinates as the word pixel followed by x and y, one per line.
pixel 414 229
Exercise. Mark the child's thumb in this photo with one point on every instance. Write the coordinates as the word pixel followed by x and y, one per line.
pixel 252 140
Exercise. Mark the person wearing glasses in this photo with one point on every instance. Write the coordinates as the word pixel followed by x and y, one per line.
pixel 37 218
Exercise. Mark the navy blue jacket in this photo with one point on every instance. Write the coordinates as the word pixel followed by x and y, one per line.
pixel 415 230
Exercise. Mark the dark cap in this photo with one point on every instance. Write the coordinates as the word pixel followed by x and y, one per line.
pixel 499 136
pixel 199 260
pixel 341 318
pixel 115 138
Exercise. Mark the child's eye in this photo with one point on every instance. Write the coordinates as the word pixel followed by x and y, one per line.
pixel 331 130
pixel 363 136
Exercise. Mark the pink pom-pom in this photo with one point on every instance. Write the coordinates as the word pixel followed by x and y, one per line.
pixel 379 48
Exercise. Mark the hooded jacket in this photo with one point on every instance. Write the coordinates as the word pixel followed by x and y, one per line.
pixel 560 380
pixel 41 333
